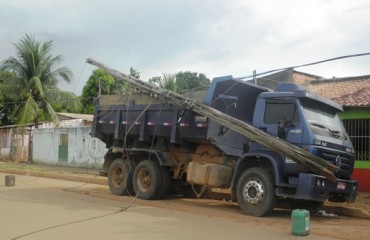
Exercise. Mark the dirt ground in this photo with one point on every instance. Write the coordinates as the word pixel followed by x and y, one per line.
pixel 89 175
pixel 325 226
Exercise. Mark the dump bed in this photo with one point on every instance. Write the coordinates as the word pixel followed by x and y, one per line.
pixel 139 117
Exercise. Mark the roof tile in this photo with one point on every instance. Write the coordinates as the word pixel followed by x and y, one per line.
pixel 350 92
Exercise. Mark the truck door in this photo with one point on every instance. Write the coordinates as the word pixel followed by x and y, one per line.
pixel 281 118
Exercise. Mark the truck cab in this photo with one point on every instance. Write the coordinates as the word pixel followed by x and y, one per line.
pixel 312 123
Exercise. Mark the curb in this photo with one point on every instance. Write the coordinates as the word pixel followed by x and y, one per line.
pixel 61 176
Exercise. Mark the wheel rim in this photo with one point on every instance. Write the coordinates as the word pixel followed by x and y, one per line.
pixel 144 180
pixel 118 177
pixel 253 191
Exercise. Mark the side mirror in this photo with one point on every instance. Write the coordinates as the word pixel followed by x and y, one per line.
pixel 282 128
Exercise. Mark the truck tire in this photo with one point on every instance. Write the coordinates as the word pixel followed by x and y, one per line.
pixel 255 192
pixel 120 177
pixel 148 180
pixel 166 182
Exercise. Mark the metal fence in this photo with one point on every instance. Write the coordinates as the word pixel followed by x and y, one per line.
pixel 359 133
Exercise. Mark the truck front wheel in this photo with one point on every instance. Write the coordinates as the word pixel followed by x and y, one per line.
pixel 120 177
pixel 148 180
pixel 255 192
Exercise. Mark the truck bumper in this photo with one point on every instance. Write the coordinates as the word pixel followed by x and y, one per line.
pixel 318 188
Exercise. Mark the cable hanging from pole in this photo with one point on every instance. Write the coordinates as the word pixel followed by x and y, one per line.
pixel 306 65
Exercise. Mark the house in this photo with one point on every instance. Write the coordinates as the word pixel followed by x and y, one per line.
pixel 75 120
pixel 68 144
pixel 289 75
pixel 16 141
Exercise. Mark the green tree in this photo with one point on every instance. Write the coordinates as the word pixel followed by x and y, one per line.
pixel 167 81
pixel 191 81
pixel 33 87
pixel 5 103
pixel 101 83
pixel 4 75
pixel 134 73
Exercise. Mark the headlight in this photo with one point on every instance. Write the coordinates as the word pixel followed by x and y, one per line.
pixel 320 143
pixel 320 182
pixel 350 150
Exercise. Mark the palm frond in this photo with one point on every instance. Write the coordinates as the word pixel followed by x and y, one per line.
pixel 12 88
pixel 27 52
pixel 66 100
pixel 169 81
pixel 12 64
pixel 62 73
pixel 50 113
pixel 36 88
pixel 27 111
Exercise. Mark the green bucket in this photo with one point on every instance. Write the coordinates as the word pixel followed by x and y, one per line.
pixel 300 222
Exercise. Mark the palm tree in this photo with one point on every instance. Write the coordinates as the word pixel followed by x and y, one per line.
pixel 167 81
pixel 33 87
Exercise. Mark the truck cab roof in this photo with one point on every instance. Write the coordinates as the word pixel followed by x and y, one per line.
pixel 292 90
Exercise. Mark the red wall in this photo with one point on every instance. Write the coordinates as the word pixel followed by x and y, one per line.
pixel 362 175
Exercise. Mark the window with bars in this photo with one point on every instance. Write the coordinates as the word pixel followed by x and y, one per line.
pixel 359 133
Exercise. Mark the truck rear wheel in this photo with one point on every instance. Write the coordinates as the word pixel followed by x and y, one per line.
pixel 120 177
pixel 255 192
pixel 148 180
pixel 165 186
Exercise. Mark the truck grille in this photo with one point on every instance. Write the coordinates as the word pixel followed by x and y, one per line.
pixel 346 163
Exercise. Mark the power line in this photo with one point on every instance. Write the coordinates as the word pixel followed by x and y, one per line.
pixel 307 64
pixel 239 79
pixel 78 80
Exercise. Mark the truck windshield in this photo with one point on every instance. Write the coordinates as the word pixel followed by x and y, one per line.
pixel 323 120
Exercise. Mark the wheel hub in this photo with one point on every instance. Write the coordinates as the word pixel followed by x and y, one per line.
pixel 144 180
pixel 253 192
pixel 118 177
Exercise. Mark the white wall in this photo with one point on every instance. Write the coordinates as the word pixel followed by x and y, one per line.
pixel 83 150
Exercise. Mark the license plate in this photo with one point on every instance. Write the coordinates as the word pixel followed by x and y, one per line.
pixel 341 185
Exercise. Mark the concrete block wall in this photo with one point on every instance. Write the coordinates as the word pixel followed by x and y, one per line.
pixel 83 150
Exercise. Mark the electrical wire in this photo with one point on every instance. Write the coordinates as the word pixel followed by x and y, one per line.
pixel 155 130
pixel 307 64
pixel 239 79
pixel 122 209
pixel 133 124
pixel 78 221
pixel 78 80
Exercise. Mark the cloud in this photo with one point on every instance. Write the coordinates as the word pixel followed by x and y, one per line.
pixel 215 37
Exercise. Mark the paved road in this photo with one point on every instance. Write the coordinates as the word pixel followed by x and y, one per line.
pixel 40 208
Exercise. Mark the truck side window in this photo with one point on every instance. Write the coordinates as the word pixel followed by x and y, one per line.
pixel 276 112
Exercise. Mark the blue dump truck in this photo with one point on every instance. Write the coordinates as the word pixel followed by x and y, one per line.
pixel 156 147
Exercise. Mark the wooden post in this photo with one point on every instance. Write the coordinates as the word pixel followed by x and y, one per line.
pixel 9 180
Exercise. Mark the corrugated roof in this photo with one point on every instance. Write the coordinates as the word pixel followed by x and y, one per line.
pixel 349 92
pixel 86 117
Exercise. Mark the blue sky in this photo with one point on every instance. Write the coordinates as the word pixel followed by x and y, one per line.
pixel 214 37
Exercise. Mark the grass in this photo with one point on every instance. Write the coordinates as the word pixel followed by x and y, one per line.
pixel 36 167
